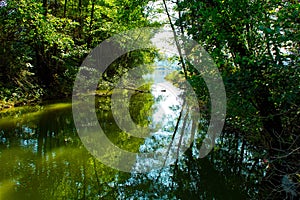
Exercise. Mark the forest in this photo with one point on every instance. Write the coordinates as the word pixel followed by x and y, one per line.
pixel 255 46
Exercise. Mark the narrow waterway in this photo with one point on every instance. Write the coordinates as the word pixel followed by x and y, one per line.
pixel 42 156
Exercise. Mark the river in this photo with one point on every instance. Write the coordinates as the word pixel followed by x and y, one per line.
pixel 42 156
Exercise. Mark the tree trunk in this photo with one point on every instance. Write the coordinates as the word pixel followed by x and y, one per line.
pixel 89 40
pixel 45 6
pixel 65 8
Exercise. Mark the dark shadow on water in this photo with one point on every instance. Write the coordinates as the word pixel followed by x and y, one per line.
pixel 43 158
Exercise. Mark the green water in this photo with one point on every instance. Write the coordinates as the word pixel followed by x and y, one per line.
pixel 42 157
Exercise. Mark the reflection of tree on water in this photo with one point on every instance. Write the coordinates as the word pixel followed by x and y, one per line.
pixel 42 158
pixel 231 171
pixel 51 163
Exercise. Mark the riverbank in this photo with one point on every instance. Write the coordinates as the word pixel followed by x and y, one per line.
pixel 12 104
pixel 7 105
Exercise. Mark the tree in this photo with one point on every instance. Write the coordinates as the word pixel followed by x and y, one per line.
pixel 256 46
pixel 54 40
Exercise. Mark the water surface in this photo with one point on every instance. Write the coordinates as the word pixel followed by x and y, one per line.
pixel 42 156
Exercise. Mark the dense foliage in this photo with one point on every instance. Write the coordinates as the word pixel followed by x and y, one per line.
pixel 255 45
pixel 44 42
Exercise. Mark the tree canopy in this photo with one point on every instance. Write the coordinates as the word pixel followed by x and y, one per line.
pixel 255 45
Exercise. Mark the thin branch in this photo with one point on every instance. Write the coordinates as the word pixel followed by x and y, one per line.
pixel 173 137
pixel 180 139
pixel 176 40
pixel 284 156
